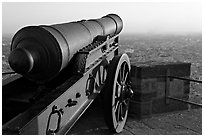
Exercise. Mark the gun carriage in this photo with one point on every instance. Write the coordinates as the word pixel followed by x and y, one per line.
pixel 60 69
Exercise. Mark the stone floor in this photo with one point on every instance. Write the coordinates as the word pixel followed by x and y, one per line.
pixel 172 123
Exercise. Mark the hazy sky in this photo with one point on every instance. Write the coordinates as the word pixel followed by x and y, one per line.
pixel 145 17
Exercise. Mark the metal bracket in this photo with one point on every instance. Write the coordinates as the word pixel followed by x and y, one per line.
pixel 59 113
pixel 71 103
pixel 90 85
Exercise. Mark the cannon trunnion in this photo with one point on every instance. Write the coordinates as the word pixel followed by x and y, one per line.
pixel 62 69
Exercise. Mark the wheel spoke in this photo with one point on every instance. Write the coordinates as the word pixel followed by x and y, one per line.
pixel 119 84
pixel 118 88
pixel 125 79
pixel 123 73
pixel 121 111
pixel 125 104
pixel 116 106
pixel 118 113
pixel 119 77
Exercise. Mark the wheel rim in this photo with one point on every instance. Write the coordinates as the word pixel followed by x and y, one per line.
pixel 120 100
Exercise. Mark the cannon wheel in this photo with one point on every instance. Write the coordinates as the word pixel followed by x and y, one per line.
pixel 117 93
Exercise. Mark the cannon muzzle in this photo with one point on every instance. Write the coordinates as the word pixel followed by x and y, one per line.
pixel 41 52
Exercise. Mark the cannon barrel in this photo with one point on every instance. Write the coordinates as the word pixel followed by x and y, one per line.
pixel 41 52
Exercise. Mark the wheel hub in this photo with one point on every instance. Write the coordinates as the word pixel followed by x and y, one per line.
pixel 125 93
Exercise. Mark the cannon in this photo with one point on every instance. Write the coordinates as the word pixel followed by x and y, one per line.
pixel 59 70
pixel 41 52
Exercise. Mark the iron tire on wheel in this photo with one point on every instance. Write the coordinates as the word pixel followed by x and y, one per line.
pixel 117 93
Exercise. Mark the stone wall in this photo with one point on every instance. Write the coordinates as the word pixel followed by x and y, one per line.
pixel 150 89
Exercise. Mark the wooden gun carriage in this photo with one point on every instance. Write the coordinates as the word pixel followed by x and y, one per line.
pixel 59 71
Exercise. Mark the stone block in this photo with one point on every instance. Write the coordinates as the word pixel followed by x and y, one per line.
pixel 140 109
pixel 159 105
pixel 149 87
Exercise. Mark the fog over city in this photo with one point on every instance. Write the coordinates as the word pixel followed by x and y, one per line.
pixel 148 17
